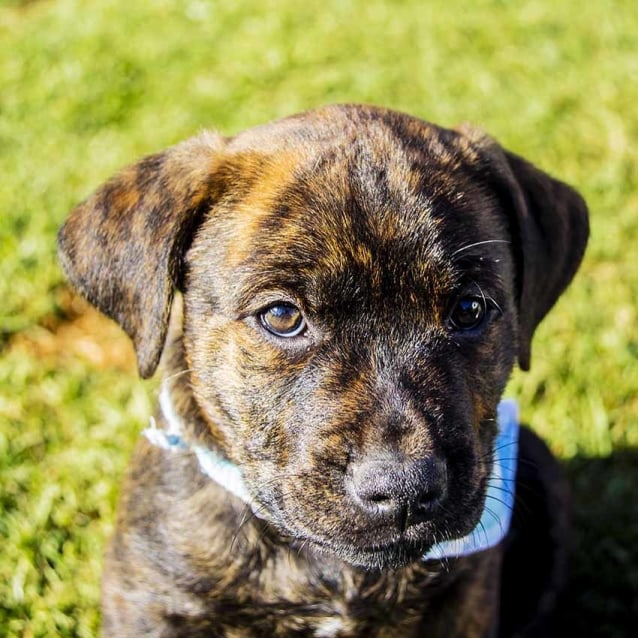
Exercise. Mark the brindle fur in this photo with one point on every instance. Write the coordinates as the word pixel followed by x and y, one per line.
pixel 373 223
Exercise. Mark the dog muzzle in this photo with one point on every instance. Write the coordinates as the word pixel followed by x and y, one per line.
pixel 499 498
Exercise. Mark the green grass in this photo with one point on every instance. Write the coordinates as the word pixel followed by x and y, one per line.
pixel 86 87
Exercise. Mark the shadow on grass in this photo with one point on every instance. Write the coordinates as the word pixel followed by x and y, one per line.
pixel 601 598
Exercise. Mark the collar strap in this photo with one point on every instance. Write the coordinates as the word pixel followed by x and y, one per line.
pixel 211 463
pixel 499 499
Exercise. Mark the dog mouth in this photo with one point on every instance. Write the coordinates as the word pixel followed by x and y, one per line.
pixel 387 516
pixel 374 540
pixel 378 547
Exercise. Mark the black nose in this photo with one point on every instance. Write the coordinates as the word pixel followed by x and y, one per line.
pixel 408 491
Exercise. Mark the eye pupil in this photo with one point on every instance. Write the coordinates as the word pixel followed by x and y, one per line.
pixel 283 320
pixel 468 313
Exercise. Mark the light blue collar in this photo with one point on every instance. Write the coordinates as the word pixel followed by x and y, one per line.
pixel 211 463
pixel 499 500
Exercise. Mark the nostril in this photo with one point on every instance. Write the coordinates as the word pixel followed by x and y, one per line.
pixel 425 505
pixel 428 499
pixel 374 485
pixel 375 498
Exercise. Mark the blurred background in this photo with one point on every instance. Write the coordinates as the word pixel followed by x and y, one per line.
pixel 87 87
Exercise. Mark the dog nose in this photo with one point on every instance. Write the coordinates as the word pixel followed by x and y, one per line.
pixel 406 490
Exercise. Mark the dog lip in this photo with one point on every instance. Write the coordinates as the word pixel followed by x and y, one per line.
pixel 393 555
pixel 405 540
pixel 384 547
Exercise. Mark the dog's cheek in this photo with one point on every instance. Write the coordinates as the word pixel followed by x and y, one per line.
pixel 241 385
pixel 487 365
pixel 308 429
pixel 254 396
pixel 302 436
pixel 262 413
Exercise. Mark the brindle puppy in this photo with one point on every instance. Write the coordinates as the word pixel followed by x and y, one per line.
pixel 357 285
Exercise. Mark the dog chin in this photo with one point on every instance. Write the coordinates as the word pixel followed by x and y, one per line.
pixel 391 556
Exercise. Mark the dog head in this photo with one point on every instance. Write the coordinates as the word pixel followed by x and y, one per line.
pixel 357 286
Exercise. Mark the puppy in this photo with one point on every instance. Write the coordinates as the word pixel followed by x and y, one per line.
pixel 355 286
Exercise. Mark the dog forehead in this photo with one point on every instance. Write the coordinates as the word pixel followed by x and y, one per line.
pixel 345 193
pixel 343 164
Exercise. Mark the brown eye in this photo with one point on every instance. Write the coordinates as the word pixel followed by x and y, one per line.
pixel 468 314
pixel 283 320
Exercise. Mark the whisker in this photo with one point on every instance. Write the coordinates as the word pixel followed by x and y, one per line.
pixel 510 491
pixel 496 518
pixel 487 538
pixel 498 500
pixel 247 515
pixel 176 375
pixel 487 297
pixel 498 448
pixel 480 243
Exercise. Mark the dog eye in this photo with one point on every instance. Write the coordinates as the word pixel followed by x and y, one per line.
pixel 468 313
pixel 283 320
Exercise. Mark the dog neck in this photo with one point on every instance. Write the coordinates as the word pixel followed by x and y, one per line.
pixel 499 499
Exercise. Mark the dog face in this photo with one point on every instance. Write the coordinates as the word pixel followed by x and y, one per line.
pixel 357 285
pixel 350 328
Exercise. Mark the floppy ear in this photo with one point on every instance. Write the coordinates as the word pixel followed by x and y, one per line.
pixel 553 227
pixel 549 226
pixel 122 248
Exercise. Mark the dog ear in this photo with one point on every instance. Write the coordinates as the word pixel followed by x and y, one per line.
pixel 549 226
pixel 551 219
pixel 122 248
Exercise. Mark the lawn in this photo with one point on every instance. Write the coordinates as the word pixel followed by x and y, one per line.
pixel 87 87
